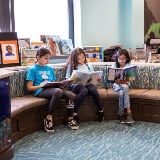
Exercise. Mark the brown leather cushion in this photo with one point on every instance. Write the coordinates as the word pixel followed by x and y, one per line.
pixel 19 104
pixel 153 94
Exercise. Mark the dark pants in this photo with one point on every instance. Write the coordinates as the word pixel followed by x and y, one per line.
pixel 82 92
pixel 55 95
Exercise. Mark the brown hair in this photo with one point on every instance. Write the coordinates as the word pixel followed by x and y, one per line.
pixel 42 51
pixel 124 52
pixel 72 60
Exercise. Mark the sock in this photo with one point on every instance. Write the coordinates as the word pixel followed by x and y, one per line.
pixel 101 110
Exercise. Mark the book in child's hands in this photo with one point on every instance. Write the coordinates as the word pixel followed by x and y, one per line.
pixel 56 84
pixel 128 74
pixel 84 77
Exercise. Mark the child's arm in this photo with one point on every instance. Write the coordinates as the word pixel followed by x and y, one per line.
pixel 30 86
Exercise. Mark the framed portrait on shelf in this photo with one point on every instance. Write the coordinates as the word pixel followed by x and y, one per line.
pixel 9 52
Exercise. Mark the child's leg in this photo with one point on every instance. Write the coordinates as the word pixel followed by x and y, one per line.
pixel 126 95
pixel 81 92
pixel 121 102
pixel 92 90
pixel 70 107
pixel 55 95
pixel 119 90
pixel 129 118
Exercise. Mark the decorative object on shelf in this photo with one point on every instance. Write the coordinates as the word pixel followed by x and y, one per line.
pixel 57 45
pixel 63 46
pixel 110 52
pixel 28 57
pixel 35 45
pixel 93 53
pixel 9 52
pixel 24 43
pixel 9 49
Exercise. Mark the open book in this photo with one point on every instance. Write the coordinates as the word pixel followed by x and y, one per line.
pixel 124 74
pixel 57 84
pixel 83 77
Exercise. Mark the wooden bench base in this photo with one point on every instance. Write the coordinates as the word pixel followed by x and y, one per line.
pixel 31 120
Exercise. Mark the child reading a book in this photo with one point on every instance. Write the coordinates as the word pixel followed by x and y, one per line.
pixel 77 61
pixel 41 73
pixel 122 87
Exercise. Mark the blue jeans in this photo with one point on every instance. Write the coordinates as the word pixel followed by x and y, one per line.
pixel 82 92
pixel 124 98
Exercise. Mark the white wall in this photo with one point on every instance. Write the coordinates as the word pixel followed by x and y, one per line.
pixel 137 23
pixel 128 24
pixel 109 22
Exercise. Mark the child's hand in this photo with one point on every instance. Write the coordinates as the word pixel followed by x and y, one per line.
pixel 61 87
pixel 43 83
pixel 99 80
pixel 124 82
pixel 77 79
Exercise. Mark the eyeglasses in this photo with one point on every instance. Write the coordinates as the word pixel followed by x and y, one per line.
pixel 121 59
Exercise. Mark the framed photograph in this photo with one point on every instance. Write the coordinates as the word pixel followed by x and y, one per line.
pixel 9 52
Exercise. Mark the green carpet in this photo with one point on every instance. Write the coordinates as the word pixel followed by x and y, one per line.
pixel 108 140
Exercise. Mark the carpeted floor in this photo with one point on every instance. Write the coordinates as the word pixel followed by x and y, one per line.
pixel 108 140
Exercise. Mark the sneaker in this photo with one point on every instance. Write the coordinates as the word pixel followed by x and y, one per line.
pixel 129 118
pixel 122 119
pixel 48 125
pixel 100 116
pixel 73 124
pixel 76 118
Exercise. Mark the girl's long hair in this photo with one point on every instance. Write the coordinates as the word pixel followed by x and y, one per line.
pixel 72 60
pixel 124 52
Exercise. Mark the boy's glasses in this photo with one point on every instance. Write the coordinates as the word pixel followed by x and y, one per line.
pixel 121 59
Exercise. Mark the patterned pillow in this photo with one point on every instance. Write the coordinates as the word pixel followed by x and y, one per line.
pixel 154 75
pixel 142 79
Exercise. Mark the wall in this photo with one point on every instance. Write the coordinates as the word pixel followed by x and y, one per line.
pixel 110 22
pixel 137 23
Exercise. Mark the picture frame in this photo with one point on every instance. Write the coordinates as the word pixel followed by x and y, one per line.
pixel 9 52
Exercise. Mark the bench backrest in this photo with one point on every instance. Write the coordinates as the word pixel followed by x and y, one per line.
pixel 148 78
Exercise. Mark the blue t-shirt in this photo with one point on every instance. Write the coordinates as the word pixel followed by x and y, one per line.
pixel 88 67
pixel 38 74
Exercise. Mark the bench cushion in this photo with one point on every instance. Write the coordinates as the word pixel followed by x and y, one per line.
pixel 153 94
pixel 20 104
pixel 102 92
